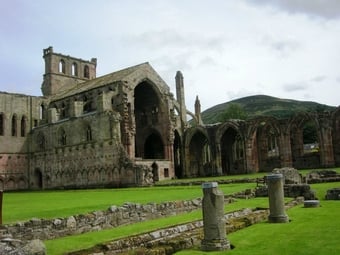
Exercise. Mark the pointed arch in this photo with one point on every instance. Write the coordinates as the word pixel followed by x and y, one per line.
pixel 14 125
pixel 150 133
pixel 198 153
pixel 86 72
pixel 232 149
pixel 42 111
pixel 305 141
pixel 268 143
pixel 74 69
pixel 62 67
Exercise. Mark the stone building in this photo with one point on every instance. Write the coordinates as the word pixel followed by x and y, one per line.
pixel 126 128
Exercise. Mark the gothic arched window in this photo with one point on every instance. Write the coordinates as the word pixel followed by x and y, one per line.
pixel 86 71
pixel 74 70
pixel 14 125
pixel 62 68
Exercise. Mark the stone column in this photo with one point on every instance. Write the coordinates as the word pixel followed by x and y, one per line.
pixel 276 199
pixel 213 219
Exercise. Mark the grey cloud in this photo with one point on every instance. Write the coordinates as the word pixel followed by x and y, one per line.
pixel 319 78
pixel 329 9
pixel 285 46
pixel 282 46
pixel 297 86
pixel 173 39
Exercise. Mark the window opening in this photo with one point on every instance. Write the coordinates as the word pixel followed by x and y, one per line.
pixel 14 125
pixel 23 126
pixel 2 122
pixel 61 66
pixel 74 69
pixel 86 71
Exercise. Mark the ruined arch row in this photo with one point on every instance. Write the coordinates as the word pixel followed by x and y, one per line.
pixel 127 128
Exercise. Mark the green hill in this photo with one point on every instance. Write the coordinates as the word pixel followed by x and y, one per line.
pixel 262 105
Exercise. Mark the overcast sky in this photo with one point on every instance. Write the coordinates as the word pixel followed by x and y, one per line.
pixel 226 49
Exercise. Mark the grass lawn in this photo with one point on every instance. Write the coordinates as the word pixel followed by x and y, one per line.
pixel 311 231
pixel 309 227
pixel 307 224
pixel 73 243
pixel 21 206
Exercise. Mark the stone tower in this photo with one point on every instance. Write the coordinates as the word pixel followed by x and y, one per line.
pixel 198 111
pixel 180 96
pixel 62 71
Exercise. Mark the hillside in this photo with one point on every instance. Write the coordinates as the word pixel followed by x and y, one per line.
pixel 262 105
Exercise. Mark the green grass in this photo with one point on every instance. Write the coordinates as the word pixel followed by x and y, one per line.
pixel 87 240
pixel 307 224
pixel 311 231
pixel 21 206
pixel 55 204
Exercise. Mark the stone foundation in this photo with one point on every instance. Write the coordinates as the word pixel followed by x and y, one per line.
pixel 186 236
pixel 333 194
pixel 290 190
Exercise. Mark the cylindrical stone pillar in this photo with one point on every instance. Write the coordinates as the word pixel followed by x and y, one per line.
pixel 276 199
pixel 213 219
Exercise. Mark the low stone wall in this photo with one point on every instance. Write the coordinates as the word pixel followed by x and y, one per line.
pixel 176 238
pixel 114 216
pixel 173 239
pixel 325 175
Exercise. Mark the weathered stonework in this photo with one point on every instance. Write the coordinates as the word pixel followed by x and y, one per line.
pixel 126 128
pixel 213 219
pixel 333 194
pixel 276 199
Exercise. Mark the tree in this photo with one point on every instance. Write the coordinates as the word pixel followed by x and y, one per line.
pixel 233 111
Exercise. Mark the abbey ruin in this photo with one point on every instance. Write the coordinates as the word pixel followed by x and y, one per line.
pixel 127 129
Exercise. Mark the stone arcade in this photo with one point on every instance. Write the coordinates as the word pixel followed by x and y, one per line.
pixel 126 128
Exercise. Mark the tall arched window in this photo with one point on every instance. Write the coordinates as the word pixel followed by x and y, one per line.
pixel 62 66
pixel 42 111
pixel 74 69
pixel 14 125
pixel 2 124
pixel 86 71
pixel 23 126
